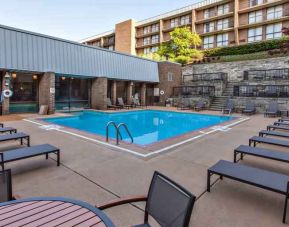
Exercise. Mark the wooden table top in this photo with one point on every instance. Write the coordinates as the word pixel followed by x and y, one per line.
pixel 51 212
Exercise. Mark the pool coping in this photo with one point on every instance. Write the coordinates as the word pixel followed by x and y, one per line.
pixel 137 150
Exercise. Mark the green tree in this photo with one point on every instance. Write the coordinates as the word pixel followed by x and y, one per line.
pixel 182 47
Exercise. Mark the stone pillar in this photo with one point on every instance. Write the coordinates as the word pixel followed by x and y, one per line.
pixel 99 93
pixel 47 91
pixel 6 101
pixel 129 93
pixel 236 22
pixel 143 90
pixel 113 92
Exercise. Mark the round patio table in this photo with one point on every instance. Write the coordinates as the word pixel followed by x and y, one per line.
pixel 51 212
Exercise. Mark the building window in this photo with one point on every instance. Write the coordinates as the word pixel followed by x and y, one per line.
pixel 146 41
pixel 170 76
pixel 208 42
pixel 255 17
pixel 255 34
pixel 174 22
pixel 154 49
pixel 223 24
pixel 146 30
pixel 274 31
pixel 209 13
pixel 255 2
pixel 155 39
pixel 185 20
pixel 155 27
pixel 223 40
pixel 147 50
pixel 274 12
pixel 223 9
pixel 209 27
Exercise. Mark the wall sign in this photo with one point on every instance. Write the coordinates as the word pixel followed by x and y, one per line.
pixel 52 90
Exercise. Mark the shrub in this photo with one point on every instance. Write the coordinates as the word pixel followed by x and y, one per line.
pixel 248 48
pixel 182 59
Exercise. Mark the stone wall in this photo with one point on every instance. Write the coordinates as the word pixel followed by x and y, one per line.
pixel 218 84
pixel 47 91
pixel 99 93
pixel 236 69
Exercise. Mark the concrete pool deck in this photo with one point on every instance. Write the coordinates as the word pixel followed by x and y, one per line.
pixel 96 174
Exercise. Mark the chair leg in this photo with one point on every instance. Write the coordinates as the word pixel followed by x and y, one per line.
pixel 285 209
pixel 46 156
pixel 209 181
pixel 58 158
pixel 235 156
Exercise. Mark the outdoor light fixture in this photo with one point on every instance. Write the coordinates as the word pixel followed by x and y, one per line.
pixel 63 78
pixel 7 79
pixel 131 84
pixel 34 77
pixel 14 75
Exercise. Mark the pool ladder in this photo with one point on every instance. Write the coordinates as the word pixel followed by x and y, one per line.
pixel 117 129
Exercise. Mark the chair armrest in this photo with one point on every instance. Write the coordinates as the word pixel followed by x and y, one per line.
pixel 121 201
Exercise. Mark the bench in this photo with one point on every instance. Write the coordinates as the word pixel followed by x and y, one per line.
pixel 256 139
pixel 8 129
pixel 28 152
pixel 260 152
pixel 16 136
pixel 273 133
pixel 274 127
pixel 265 179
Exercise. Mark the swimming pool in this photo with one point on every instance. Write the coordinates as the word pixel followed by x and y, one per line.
pixel 146 126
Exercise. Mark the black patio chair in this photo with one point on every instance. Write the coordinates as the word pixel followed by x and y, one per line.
pixel 167 202
pixel 229 107
pixel 5 186
pixel 272 110
pixel 250 108
pixel 200 105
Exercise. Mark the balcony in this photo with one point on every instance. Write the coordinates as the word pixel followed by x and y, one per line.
pixel 265 19
pixel 168 26
pixel 147 44
pixel 202 30
pixel 205 77
pixel 213 15
pixel 258 4
pixel 270 91
pixel 193 91
pixel 267 75
pixel 141 33
pixel 109 42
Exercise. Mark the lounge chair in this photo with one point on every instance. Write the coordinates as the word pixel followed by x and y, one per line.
pixel 8 129
pixel 200 105
pixel 260 178
pixel 121 103
pixel 260 152
pixel 185 104
pixel 281 123
pixel 250 108
pixel 229 107
pixel 110 105
pixel 16 136
pixel 277 127
pixel 167 202
pixel 28 152
pixel 283 119
pixel 257 139
pixel 273 133
pixel 136 103
pixel 272 110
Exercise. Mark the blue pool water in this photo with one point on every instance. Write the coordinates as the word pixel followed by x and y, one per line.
pixel 146 127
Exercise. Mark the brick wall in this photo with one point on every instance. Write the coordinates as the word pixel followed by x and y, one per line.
pixel 47 91
pixel 99 93
pixel 167 86
pixel 125 37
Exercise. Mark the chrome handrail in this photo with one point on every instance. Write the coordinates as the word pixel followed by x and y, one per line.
pixel 117 131
pixel 127 131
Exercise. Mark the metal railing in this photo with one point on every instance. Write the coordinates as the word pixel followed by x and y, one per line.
pixel 117 129
pixel 187 91
pixel 276 91
pixel 205 29
pixel 271 74
pixel 205 77
pixel 252 3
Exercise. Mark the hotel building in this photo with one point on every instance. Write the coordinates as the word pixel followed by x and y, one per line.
pixel 219 23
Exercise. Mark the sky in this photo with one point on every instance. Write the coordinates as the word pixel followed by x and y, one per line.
pixel 78 19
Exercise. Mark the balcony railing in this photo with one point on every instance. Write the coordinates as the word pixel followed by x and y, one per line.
pixel 272 74
pixel 277 91
pixel 203 30
pixel 109 42
pixel 192 91
pixel 252 3
pixel 205 77
pixel 179 24
pixel 149 32
pixel 265 18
